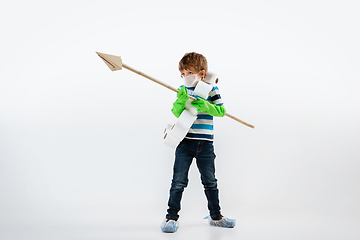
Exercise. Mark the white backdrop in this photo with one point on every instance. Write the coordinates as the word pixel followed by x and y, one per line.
pixel 82 146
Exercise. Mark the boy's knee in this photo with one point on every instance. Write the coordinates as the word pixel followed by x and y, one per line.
pixel 179 185
pixel 211 186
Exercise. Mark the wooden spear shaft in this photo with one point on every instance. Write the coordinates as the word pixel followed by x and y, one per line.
pixel 175 90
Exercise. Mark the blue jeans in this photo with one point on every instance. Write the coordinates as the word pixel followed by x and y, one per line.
pixel 203 151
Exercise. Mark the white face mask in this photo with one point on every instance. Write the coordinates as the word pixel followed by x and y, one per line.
pixel 191 80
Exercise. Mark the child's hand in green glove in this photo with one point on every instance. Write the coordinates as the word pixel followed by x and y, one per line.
pixel 211 109
pixel 182 94
pixel 179 104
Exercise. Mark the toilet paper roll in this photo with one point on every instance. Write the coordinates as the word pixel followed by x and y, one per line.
pixel 179 132
pixel 202 89
pixel 191 108
pixel 168 128
pixel 174 134
pixel 171 140
pixel 211 78
pixel 186 119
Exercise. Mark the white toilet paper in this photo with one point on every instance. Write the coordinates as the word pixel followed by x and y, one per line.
pixel 167 130
pixel 202 89
pixel 171 140
pixel 179 132
pixel 191 108
pixel 173 135
pixel 211 78
pixel 186 119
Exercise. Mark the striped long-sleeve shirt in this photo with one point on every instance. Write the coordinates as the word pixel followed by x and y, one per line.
pixel 203 127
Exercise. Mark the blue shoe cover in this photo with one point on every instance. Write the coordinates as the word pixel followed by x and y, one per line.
pixel 223 222
pixel 169 227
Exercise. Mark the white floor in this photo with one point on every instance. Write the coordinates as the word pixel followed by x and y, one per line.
pixel 254 228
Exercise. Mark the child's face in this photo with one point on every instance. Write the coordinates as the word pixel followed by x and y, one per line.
pixel 190 71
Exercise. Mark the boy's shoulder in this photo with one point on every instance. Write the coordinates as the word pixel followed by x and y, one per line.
pixel 214 88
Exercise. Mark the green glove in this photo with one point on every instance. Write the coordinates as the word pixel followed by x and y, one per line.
pixel 182 94
pixel 179 104
pixel 211 109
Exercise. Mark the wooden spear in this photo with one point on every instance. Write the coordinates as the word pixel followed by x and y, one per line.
pixel 115 63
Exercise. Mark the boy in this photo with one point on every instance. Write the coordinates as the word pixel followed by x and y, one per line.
pixel 198 144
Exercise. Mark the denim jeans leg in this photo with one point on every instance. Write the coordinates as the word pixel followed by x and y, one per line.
pixel 205 160
pixel 183 160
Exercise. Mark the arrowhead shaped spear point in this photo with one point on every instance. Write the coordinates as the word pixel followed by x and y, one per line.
pixel 112 61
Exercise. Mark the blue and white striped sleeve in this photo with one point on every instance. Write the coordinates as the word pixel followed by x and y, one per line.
pixel 214 96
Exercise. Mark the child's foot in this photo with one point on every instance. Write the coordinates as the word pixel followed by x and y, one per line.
pixel 221 221
pixel 169 225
